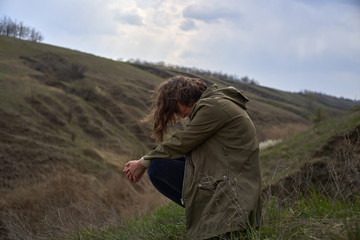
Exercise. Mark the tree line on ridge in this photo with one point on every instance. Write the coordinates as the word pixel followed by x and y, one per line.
pixel 12 28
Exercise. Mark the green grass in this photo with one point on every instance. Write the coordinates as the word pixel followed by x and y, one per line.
pixel 313 217
pixel 310 217
pixel 167 222
pixel 2 75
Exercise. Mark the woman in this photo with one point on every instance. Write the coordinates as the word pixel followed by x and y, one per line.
pixel 212 166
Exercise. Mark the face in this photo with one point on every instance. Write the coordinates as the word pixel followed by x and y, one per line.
pixel 183 110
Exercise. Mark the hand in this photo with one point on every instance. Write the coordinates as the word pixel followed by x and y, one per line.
pixel 134 170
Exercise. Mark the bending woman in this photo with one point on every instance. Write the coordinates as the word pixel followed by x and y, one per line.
pixel 211 167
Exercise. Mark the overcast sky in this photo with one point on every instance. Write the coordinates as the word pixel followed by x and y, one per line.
pixel 291 45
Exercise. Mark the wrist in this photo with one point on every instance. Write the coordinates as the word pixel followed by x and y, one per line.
pixel 144 163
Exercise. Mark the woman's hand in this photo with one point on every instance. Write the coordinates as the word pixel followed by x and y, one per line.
pixel 134 170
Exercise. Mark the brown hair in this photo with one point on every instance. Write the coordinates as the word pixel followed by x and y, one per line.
pixel 187 91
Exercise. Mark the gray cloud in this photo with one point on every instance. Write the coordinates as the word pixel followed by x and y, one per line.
pixel 131 18
pixel 188 25
pixel 211 13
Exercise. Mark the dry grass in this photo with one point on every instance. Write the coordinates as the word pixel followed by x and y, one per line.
pixel 70 201
pixel 333 170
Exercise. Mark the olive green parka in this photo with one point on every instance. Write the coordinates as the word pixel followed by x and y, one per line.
pixel 222 180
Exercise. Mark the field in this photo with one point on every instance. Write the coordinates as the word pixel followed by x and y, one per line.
pixel 69 121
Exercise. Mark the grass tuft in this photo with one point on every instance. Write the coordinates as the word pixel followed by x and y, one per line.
pixel 167 222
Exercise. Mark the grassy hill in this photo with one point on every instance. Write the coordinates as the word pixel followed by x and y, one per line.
pixel 70 120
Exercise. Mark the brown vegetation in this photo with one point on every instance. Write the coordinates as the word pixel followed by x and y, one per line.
pixel 69 201
pixel 334 170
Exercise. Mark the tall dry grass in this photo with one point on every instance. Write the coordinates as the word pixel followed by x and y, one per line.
pixel 70 201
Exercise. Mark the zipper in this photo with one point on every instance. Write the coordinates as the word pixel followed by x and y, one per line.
pixel 182 200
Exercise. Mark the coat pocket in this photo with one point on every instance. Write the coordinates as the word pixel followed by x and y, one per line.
pixel 217 195
pixel 210 183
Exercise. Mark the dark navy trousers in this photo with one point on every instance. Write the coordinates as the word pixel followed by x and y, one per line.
pixel 167 176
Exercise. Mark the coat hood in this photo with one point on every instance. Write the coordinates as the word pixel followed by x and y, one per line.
pixel 230 93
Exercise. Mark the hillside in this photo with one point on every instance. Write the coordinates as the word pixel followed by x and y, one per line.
pixel 69 121
pixel 64 138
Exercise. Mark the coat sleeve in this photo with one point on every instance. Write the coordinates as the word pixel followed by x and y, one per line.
pixel 207 119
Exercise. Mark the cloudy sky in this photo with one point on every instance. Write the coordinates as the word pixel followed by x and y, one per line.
pixel 291 45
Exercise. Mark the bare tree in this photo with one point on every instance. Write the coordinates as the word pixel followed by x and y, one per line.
pixel 11 28
pixel 22 30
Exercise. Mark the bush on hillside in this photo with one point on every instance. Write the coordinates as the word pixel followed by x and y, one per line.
pixel 55 67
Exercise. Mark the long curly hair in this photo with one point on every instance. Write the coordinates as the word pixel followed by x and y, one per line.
pixel 187 91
